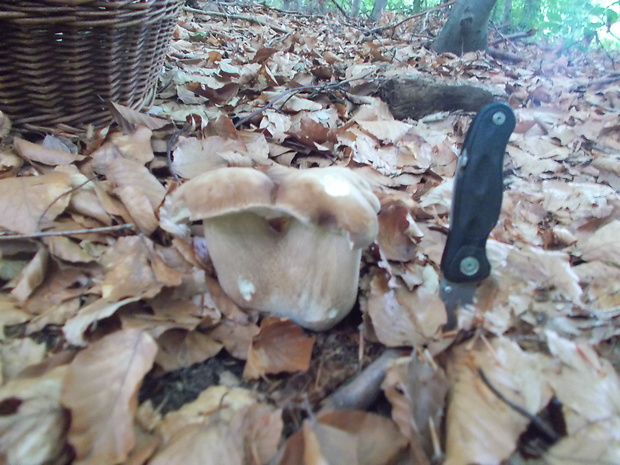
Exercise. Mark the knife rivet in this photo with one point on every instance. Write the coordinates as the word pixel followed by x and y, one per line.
pixel 469 266
pixel 499 118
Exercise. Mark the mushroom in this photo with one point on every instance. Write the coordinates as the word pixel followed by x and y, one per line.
pixel 283 241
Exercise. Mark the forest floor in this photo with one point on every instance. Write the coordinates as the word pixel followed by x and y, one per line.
pixel 120 347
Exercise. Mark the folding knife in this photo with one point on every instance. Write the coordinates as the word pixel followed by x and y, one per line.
pixel 476 204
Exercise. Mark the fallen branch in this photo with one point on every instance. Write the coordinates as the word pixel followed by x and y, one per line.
pixel 596 82
pixel 409 18
pixel 363 389
pixel 252 19
pixel 66 233
pixel 292 92
pixel 504 55
pixel 515 36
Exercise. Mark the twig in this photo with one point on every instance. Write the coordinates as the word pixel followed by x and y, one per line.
pixel 240 17
pixel 291 93
pixel 409 18
pixel 344 13
pixel 73 189
pixel 511 37
pixel 542 426
pixel 65 233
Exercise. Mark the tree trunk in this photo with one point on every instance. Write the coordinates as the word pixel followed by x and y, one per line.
pixel 355 8
pixel 466 28
pixel 377 9
pixel 417 6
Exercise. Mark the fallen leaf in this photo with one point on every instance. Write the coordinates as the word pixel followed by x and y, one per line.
pixel 17 354
pixel 401 317
pixel 280 345
pixel 348 436
pixel 602 245
pixel 33 423
pixel 481 427
pixel 100 389
pixel 75 328
pixel 48 156
pixel 134 268
pixel 417 391
pixel 31 276
pixel 179 348
pixel 30 203
pixel 213 444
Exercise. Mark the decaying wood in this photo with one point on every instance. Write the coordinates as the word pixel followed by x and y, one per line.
pixel 416 98
pixel 363 390
pixel 503 55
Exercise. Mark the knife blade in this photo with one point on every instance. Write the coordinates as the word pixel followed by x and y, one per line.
pixel 476 204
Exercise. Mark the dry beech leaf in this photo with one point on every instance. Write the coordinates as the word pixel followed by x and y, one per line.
pixel 386 131
pixel 193 157
pixel 135 146
pixel 135 118
pixel 603 244
pixel 248 435
pixel 33 423
pixel 481 427
pixel 101 389
pixel 280 345
pixel 587 385
pixel 216 403
pixel 417 391
pixel 31 276
pixel 28 203
pixel 236 337
pixel 41 154
pixel 146 445
pixel 9 162
pixel 401 317
pixel 76 326
pixel 139 208
pixel 17 354
pixel 134 268
pixel 397 228
pixel 345 437
pixel 68 250
pixel 11 313
pixel 225 413
pixel 179 348
pixel 213 444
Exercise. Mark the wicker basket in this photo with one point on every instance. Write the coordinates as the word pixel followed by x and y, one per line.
pixel 62 60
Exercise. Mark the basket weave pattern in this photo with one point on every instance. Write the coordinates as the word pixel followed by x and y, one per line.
pixel 61 60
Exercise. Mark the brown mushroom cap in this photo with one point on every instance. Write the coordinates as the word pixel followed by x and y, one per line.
pixel 220 192
pixel 284 241
pixel 333 198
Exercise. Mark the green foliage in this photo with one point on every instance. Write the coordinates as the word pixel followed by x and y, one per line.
pixel 575 22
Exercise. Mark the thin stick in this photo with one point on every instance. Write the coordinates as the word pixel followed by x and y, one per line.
pixel 66 233
pixel 240 17
pixel 542 427
pixel 292 92
pixel 73 189
pixel 409 18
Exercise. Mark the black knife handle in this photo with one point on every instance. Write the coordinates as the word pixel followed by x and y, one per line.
pixel 477 194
